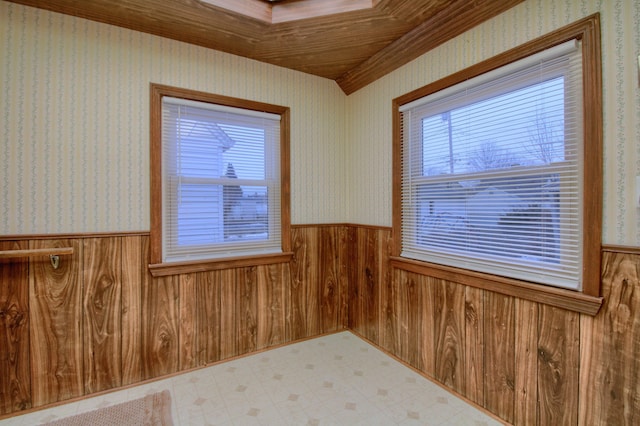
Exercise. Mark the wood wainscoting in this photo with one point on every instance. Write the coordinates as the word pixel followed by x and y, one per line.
pixel 526 362
pixel 100 321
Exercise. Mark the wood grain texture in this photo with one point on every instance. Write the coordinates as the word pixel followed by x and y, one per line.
pixel 208 312
pixel 428 325
pixel 460 16
pixel 526 353
pixel 55 305
pixel 238 312
pixel 228 315
pixel 188 318
pixel 368 280
pixel 473 345
pixel 610 365
pixel 271 283
pixel 528 362
pixel 347 258
pixel 15 380
pixel 411 289
pixel 135 277
pixel 400 314
pixel 499 363
pixel 246 304
pixel 388 336
pixel 161 327
pixel 303 300
pixel 25 253
pixel 329 279
pixel 449 328
pixel 558 366
pixel 102 332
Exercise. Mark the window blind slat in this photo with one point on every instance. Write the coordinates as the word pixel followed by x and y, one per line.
pixel 491 172
pixel 221 181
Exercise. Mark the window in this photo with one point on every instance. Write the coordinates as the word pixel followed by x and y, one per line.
pixel 496 170
pixel 220 176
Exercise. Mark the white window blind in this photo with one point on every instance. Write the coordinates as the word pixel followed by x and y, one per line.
pixel 220 181
pixel 492 171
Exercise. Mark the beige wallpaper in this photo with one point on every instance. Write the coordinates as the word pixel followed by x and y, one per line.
pixel 74 123
pixel 74 117
pixel 369 110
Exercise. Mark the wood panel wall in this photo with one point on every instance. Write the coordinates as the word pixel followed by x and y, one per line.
pixel 101 321
pixel 526 362
pixel 15 379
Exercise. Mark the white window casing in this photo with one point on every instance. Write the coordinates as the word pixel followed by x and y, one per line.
pixel 220 181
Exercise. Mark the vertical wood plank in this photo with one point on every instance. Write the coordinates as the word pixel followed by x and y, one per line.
pixel 558 366
pixel 208 309
pixel 270 306
pixel 328 279
pixel 102 313
pixel 499 388
pixel 228 315
pixel 355 321
pixel 368 281
pixel 347 256
pixel 428 326
pixel 303 293
pixel 526 353
pixel 135 277
pixel 449 334
pixel 385 275
pixel 610 365
pixel 188 317
pixel 401 311
pixel 474 345
pixel 247 306
pixel 15 381
pixel 412 305
pixel 388 322
pixel 161 327
pixel 55 305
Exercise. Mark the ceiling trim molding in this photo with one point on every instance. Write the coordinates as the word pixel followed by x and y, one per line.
pixel 453 21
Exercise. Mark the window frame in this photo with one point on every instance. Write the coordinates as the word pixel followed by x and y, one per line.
pixel 588 300
pixel 156 265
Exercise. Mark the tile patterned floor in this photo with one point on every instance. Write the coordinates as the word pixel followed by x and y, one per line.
pixel 332 380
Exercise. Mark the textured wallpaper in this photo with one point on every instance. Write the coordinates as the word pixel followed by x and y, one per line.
pixel 74 125
pixel 74 122
pixel 369 110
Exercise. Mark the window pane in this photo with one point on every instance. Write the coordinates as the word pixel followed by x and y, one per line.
pixel 217 178
pixel 523 127
pixel 200 146
pixel 247 154
pixel 200 213
pixel 245 213
pixel 491 177
pixel 507 217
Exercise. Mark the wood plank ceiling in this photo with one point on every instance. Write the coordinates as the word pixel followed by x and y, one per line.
pixel 353 42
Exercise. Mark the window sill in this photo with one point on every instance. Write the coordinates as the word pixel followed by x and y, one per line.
pixel 560 298
pixel 176 268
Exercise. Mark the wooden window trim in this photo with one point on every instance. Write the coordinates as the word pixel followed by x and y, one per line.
pixel 175 268
pixel 157 267
pixel 553 296
pixel 588 31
